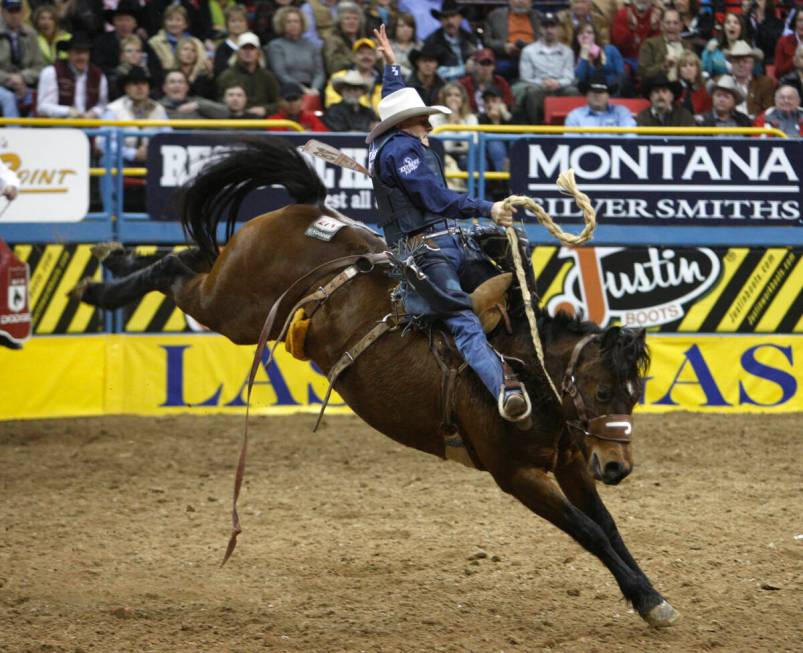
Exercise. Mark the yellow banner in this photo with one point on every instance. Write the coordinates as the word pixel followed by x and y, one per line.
pixel 163 375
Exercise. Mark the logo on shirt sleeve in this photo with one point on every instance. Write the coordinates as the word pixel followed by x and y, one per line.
pixel 409 166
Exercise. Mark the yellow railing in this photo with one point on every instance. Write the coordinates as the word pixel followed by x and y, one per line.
pixel 233 123
pixel 652 131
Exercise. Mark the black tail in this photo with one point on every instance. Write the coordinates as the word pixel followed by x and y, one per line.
pixel 221 187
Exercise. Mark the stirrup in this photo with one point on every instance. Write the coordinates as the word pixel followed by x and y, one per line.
pixel 520 393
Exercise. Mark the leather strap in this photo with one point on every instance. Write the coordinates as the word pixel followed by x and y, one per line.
pixel 348 358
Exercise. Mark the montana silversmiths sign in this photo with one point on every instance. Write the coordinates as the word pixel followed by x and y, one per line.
pixel 656 181
pixel 174 159
pixel 53 168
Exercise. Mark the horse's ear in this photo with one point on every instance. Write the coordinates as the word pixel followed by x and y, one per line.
pixel 641 336
pixel 610 337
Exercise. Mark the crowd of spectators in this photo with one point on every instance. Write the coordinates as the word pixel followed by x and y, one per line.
pixel 697 62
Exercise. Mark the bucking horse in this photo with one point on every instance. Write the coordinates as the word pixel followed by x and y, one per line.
pixel 273 281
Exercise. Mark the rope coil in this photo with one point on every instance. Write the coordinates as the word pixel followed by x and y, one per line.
pixel 567 184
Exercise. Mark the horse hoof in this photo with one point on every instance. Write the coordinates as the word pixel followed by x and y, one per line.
pixel 101 251
pixel 662 615
pixel 80 288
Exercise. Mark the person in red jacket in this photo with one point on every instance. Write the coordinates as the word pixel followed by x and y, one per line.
pixel 290 109
pixel 632 25
pixel 786 47
pixel 482 77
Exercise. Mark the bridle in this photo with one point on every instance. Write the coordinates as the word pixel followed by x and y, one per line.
pixel 611 428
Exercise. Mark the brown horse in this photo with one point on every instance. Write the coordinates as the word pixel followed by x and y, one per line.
pixel 396 385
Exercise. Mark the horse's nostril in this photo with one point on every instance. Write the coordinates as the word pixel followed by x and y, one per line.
pixel 614 469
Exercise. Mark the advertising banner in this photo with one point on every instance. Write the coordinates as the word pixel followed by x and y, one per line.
pixel 173 159
pixel 53 167
pixel 169 374
pixel 729 182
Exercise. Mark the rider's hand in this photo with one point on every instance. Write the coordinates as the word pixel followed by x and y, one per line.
pixel 502 215
pixel 384 47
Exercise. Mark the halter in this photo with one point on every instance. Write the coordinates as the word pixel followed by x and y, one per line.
pixel 612 428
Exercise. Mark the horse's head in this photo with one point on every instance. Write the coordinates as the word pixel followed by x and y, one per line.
pixel 601 385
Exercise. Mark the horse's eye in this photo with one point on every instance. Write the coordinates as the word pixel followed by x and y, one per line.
pixel 603 395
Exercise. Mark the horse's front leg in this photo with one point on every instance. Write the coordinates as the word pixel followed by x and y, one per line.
pixel 540 494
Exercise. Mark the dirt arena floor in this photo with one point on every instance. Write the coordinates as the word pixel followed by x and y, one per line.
pixel 113 530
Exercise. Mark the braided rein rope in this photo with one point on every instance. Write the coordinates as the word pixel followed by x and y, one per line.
pixel 568 185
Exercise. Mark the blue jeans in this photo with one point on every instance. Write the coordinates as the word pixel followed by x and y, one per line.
pixel 8 103
pixel 443 268
pixel 497 155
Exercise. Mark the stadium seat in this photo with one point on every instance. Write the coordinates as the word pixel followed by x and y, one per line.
pixel 557 108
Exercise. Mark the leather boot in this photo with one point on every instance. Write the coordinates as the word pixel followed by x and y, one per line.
pixel 514 403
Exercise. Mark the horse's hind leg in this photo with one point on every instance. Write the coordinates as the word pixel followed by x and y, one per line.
pixel 161 275
pixel 539 493
pixel 122 261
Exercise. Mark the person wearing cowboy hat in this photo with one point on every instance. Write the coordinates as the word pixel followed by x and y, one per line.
pixel 725 95
pixel 425 78
pixel 350 115
pixel 663 112
pixel 364 58
pixel 599 112
pixel 107 47
pixel 457 43
pixel 757 90
pixel 74 88
pixel 418 214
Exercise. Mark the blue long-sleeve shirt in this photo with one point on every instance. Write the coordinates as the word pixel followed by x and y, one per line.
pixel 402 164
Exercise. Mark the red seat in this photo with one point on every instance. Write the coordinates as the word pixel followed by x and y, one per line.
pixel 556 108
pixel 311 103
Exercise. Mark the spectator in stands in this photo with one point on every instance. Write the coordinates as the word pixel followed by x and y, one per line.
pixel 195 67
pixel 757 89
pixel 349 28
pixel 179 104
pixel 660 54
pixel 349 115
pixel 599 112
pixel 726 95
pixel 364 57
pixel 508 30
pixel 454 96
pixel 546 68
pixel 795 78
pixel 425 78
pixel 457 43
pixel 697 26
pixel 421 11
pixel 321 15
pixel 131 54
pixel 787 45
pixel 693 93
pixel 715 63
pixel 136 104
pixel 483 77
pixel 292 57
pixel 174 28
pixel 45 22
pixel 593 56
pixel 496 112
pixel 380 12
pixel 633 24
pixel 235 99
pixel 236 25
pixel 579 14
pixel 292 96
pixel 764 28
pixel 73 88
pixel 20 60
pixel 197 14
pixel 260 85
pixel 403 39
pixel 662 111
pixel 107 48
pixel 786 115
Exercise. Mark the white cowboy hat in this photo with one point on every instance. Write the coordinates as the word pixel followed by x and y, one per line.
pixel 351 78
pixel 400 105
pixel 743 49
pixel 727 83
